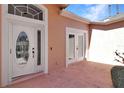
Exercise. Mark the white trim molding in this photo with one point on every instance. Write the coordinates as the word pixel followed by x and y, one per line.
pixel 6 56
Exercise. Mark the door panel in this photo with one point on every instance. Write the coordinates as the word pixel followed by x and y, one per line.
pixel 23 50
pixel 80 47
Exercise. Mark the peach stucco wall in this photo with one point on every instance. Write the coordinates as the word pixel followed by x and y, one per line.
pixel 57 37
pixel 0 45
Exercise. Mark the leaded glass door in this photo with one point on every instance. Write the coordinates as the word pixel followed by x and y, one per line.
pixel 23 50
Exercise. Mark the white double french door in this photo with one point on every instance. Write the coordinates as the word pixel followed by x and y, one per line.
pixel 75 45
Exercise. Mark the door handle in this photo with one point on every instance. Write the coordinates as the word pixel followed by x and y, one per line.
pixel 33 52
pixel 77 48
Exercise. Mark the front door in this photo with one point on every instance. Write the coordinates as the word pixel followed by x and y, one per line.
pixel 23 50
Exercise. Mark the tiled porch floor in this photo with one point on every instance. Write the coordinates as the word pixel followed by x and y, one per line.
pixel 79 75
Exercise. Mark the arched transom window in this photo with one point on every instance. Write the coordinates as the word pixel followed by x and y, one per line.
pixel 26 10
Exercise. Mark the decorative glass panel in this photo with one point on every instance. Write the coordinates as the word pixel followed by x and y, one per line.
pixel 38 47
pixel 26 10
pixel 22 47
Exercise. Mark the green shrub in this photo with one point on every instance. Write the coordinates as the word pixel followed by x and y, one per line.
pixel 117 74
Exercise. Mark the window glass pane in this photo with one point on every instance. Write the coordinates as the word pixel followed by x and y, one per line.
pixel 27 15
pixel 10 9
pixel 35 8
pixel 26 10
pixel 38 47
pixel 22 47
pixel 36 17
pixel 80 46
pixel 22 9
pixel 18 13
pixel 20 5
pixel 32 11
pixel 41 16
pixel 71 46
pixel 85 44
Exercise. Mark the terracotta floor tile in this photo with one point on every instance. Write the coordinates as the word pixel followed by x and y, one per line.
pixel 79 75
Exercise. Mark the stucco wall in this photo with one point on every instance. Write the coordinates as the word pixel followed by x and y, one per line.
pixel 104 44
pixel 115 25
pixel 57 37
pixel 105 39
pixel 0 45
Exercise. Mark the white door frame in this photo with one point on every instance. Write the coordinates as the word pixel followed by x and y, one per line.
pixel 75 31
pixel 6 41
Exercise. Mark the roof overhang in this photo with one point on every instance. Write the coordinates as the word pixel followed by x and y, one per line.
pixel 62 5
pixel 110 20
pixel 73 16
